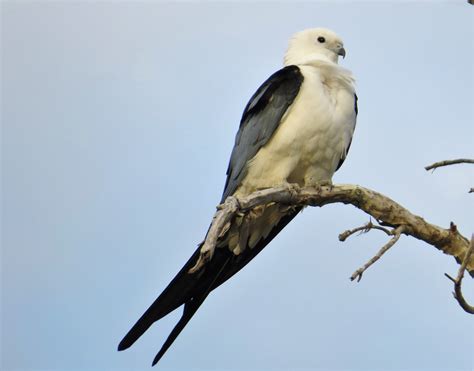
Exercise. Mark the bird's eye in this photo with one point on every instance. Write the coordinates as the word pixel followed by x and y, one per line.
pixel 321 39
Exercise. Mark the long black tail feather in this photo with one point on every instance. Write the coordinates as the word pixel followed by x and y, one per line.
pixel 192 289
pixel 174 295
pixel 189 309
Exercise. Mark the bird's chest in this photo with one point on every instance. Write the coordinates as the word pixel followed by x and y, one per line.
pixel 311 139
pixel 319 126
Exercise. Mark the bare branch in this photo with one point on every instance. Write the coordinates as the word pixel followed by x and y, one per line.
pixel 364 229
pixel 396 233
pixel 449 162
pixel 458 281
pixel 223 215
pixel 380 207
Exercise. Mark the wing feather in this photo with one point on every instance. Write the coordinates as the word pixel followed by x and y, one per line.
pixel 260 119
pixel 344 155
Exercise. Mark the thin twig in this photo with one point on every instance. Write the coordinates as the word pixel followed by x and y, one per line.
pixel 396 235
pixel 364 229
pixel 449 162
pixel 458 281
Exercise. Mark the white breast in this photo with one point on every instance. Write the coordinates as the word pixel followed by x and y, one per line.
pixel 314 133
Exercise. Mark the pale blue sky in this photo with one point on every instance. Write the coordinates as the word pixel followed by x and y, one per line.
pixel 117 123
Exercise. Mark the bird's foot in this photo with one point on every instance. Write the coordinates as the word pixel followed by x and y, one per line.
pixel 294 188
pixel 319 185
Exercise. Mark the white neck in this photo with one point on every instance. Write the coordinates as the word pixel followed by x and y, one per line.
pixel 296 57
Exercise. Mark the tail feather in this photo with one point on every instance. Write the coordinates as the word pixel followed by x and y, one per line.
pixel 192 289
pixel 240 261
pixel 190 309
pixel 175 294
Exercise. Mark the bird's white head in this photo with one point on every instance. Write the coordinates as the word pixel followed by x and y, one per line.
pixel 314 44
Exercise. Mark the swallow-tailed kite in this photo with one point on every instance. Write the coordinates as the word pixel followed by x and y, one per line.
pixel 296 128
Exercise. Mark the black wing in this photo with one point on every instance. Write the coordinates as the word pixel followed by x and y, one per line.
pixel 259 121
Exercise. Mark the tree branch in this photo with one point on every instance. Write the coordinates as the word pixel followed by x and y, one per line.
pixel 449 162
pixel 380 207
pixel 364 229
pixel 458 281
pixel 225 212
pixel 396 233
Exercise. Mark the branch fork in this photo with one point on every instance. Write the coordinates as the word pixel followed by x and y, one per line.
pixel 396 233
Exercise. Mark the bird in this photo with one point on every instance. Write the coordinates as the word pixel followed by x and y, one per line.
pixel 297 128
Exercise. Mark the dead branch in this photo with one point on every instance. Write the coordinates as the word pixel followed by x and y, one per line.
pixel 222 217
pixel 458 281
pixel 380 207
pixel 364 229
pixel 449 162
pixel 397 232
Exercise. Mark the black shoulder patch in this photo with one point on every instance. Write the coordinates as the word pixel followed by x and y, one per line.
pixel 286 81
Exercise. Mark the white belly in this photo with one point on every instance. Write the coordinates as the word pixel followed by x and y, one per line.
pixel 312 138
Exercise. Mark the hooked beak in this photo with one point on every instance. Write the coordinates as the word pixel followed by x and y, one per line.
pixel 342 52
